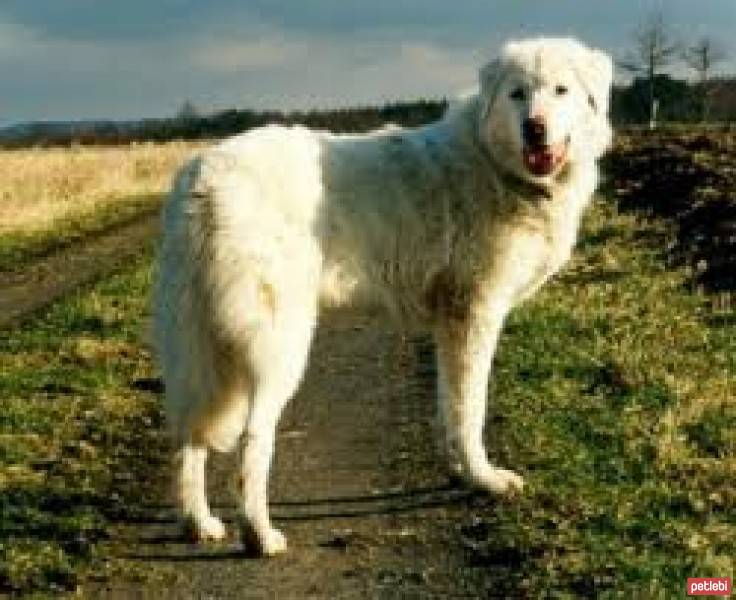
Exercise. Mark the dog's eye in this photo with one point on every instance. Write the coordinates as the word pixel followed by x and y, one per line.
pixel 518 94
pixel 561 90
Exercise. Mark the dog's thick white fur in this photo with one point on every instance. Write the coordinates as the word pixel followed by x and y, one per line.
pixel 448 226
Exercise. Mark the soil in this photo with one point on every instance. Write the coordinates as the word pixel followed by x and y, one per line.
pixel 687 177
pixel 37 283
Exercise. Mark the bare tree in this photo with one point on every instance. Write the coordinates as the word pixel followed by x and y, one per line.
pixel 654 50
pixel 701 57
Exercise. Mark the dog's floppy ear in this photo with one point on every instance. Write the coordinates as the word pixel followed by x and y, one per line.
pixel 594 69
pixel 489 79
pixel 489 74
pixel 597 71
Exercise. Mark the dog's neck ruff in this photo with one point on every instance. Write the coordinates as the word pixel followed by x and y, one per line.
pixel 524 187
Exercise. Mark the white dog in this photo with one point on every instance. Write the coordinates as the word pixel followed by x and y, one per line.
pixel 448 226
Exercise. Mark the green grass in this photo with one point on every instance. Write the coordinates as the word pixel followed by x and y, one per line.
pixel 613 389
pixel 18 247
pixel 68 405
pixel 619 399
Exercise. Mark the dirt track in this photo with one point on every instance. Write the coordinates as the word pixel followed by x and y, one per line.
pixel 40 282
pixel 357 488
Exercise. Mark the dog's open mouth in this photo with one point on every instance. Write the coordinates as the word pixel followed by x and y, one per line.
pixel 545 160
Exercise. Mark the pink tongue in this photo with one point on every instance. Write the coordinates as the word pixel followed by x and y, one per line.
pixel 539 162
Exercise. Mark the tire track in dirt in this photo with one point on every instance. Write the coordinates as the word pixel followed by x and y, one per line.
pixel 37 283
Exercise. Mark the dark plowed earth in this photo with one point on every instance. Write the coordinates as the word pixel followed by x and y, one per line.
pixel 357 488
pixel 40 282
pixel 688 179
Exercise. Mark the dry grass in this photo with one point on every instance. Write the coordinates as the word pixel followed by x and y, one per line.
pixel 50 194
pixel 41 186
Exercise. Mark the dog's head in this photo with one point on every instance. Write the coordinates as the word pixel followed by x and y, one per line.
pixel 544 105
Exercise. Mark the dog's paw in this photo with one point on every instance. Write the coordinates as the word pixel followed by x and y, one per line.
pixel 487 478
pixel 498 482
pixel 273 542
pixel 268 542
pixel 502 482
pixel 207 529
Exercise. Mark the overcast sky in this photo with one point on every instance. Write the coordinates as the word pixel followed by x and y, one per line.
pixel 73 59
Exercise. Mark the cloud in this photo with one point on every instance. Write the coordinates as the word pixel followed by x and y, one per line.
pixel 234 56
pixel 312 71
pixel 17 41
pixel 261 67
pixel 86 58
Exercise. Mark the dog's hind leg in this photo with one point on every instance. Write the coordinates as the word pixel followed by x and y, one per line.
pixel 191 492
pixel 278 358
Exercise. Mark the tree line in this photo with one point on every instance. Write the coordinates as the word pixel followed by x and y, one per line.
pixel 676 101
pixel 680 101
pixel 655 50
pixel 190 124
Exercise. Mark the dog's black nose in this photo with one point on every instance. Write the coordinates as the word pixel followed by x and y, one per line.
pixel 534 132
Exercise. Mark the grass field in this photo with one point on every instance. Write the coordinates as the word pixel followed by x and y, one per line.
pixel 616 383
pixel 68 412
pixel 50 196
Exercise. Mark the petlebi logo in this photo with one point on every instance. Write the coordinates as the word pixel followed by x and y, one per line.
pixel 709 586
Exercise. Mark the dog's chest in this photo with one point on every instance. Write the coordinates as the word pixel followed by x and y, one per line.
pixel 561 233
pixel 536 249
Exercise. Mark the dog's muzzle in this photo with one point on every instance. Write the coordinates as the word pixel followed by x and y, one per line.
pixel 544 159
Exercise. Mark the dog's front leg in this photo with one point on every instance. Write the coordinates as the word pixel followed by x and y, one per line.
pixel 465 349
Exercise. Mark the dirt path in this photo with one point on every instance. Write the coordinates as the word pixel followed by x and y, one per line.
pixel 357 488
pixel 42 281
